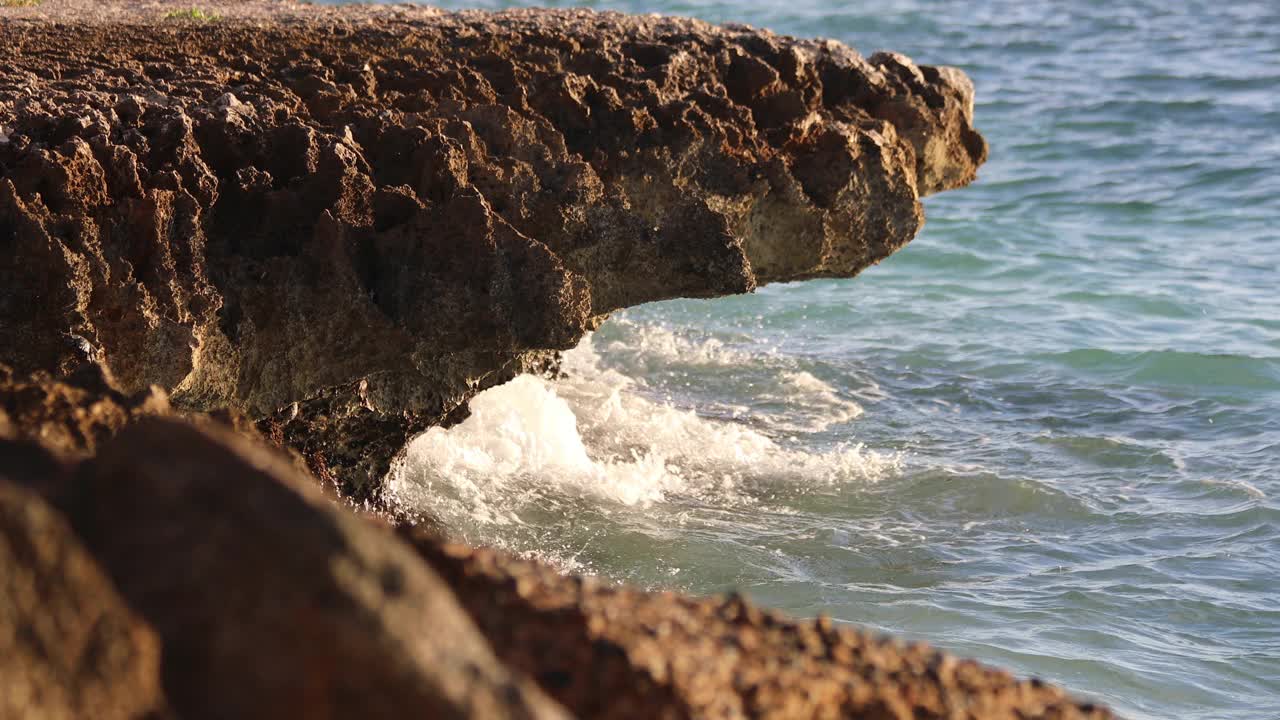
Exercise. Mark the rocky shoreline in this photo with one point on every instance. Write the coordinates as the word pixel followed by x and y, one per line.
pixel 247 259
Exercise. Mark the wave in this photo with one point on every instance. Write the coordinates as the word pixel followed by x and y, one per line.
pixel 596 437
pixel 1173 367
pixel 643 347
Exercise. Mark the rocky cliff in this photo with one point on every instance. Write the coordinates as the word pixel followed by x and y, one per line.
pixel 344 224
pixel 324 230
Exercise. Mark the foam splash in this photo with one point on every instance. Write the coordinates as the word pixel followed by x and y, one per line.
pixel 814 405
pixel 1243 486
pixel 595 437
pixel 651 346
pixel 786 398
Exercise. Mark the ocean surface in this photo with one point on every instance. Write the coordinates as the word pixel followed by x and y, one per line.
pixel 1045 434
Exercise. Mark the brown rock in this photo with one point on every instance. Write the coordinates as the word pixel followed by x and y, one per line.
pixel 69 646
pixel 72 416
pixel 612 652
pixel 272 601
pixel 346 222
pixel 342 223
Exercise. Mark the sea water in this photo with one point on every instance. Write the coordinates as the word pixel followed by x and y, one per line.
pixel 1045 434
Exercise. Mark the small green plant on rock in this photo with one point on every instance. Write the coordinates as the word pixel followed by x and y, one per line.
pixel 20 3
pixel 194 14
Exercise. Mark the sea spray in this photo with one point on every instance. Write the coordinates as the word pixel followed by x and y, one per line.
pixel 600 439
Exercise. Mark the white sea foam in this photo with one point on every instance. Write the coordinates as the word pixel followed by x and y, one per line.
pixel 649 346
pixel 808 403
pixel 1248 488
pixel 594 436
pixel 812 404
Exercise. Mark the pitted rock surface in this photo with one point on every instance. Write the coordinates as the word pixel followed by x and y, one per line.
pixel 331 227
pixel 347 222
pixel 71 416
pixel 616 652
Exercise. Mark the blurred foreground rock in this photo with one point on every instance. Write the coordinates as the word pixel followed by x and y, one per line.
pixel 69 646
pixel 270 600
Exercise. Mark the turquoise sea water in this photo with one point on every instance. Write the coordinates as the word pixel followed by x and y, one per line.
pixel 1045 434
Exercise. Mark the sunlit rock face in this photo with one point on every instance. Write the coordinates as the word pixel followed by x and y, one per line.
pixel 346 227
pixel 330 229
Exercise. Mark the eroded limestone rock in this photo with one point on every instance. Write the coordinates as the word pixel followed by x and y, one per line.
pixel 73 415
pixel 342 224
pixel 347 224
pixel 617 652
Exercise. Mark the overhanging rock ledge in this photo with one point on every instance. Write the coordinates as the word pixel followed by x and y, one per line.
pixel 344 223
pixel 332 227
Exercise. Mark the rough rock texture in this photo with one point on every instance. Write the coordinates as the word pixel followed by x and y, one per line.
pixel 71 416
pixel 329 228
pixel 69 646
pixel 345 223
pixel 611 652
pixel 271 601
